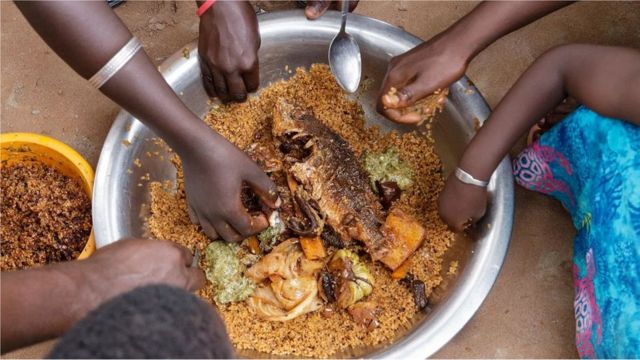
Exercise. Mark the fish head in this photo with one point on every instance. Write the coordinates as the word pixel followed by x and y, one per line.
pixel 288 119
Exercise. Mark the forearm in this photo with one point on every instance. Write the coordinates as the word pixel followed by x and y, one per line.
pixel 537 91
pixel 43 303
pixel 86 35
pixel 605 79
pixel 491 20
pixel 40 304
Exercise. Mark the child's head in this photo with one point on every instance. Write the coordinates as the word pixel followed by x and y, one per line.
pixel 156 321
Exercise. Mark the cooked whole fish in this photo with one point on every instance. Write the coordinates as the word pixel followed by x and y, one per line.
pixel 331 178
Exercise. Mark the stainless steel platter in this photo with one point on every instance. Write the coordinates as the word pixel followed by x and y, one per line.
pixel 120 203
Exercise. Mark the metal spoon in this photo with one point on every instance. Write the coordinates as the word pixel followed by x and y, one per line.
pixel 344 56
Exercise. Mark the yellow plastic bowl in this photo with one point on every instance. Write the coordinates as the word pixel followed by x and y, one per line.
pixel 27 147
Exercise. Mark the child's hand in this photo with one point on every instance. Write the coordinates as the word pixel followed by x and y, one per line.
pixel 461 205
pixel 214 172
pixel 433 65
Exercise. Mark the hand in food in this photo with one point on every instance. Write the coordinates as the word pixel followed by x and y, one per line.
pixel 131 263
pixel 461 205
pixel 425 70
pixel 214 176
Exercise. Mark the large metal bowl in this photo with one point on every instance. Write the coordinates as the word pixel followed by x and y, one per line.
pixel 121 203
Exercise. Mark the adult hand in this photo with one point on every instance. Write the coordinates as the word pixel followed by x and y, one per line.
pixel 44 302
pixel 214 173
pixel 228 50
pixel 461 205
pixel 131 263
pixel 430 66
pixel 316 9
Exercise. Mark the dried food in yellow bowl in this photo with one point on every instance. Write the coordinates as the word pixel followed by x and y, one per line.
pixel 46 201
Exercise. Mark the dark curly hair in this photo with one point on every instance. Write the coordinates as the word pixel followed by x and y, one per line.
pixel 155 321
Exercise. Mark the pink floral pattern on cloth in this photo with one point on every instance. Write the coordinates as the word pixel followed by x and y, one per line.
pixel 590 164
pixel 532 170
pixel 587 311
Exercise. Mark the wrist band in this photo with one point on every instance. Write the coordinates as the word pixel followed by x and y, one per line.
pixel 204 7
pixel 466 178
pixel 120 59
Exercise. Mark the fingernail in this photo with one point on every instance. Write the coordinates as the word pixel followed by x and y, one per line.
pixel 278 202
pixel 390 100
pixel 311 11
pixel 411 117
pixel 404 94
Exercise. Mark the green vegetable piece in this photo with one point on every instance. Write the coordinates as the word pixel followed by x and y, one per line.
pixel 225 272
pixel 269 236
pixel 387 166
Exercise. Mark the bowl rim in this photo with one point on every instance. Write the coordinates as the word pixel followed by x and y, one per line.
pixel 80 165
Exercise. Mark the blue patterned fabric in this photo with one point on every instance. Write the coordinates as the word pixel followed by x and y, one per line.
pixel 592 165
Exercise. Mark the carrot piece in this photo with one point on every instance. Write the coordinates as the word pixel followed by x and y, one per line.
pixel 292 183
pixel 254 245
pixel 405 236
pixel 402 270
pixel 313 248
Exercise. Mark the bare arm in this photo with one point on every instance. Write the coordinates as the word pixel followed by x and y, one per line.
pixel 42 303
pixel 492 20
pixel 439 62
pixel 605 79
pixel 86 35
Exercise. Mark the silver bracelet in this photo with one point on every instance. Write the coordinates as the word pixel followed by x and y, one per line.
pixel 467 178
pixel 119 60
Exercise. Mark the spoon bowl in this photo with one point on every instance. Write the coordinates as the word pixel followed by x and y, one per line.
pixel 345 61
pixel 344 56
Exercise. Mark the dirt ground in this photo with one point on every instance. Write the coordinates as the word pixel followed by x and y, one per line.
pixel 529 312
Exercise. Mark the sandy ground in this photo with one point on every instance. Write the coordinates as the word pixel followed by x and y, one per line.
pixel 529 312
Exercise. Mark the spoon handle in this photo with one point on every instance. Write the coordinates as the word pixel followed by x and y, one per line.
pixel 345 11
